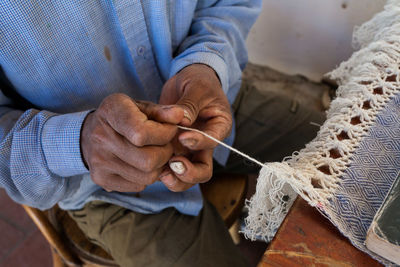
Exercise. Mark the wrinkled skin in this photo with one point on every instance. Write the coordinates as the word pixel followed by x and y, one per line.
pixel 129 144
pixel 126 144
pixel 198 91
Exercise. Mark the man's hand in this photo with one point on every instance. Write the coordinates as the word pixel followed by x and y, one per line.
pixel 124 148
pixel 198 91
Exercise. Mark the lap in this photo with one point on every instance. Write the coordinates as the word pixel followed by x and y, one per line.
pixel 168 238
pixel 274 116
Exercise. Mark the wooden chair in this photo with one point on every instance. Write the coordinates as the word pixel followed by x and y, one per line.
pixel 70 247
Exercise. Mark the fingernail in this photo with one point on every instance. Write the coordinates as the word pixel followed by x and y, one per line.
pixel 187 115
pixel 189 142
pixel 168 180
pixel 178 167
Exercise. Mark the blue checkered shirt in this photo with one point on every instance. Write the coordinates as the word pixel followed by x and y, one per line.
pixel 65 57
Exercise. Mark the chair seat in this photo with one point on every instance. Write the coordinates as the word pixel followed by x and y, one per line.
pixel 225 192
pixel 90 253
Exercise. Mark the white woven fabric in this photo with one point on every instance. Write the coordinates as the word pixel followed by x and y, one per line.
pixel 326 173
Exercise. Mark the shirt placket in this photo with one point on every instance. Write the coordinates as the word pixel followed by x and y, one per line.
pixel 133 26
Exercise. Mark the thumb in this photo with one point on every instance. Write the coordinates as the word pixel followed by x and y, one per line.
pixel 161 113
pixel 190 103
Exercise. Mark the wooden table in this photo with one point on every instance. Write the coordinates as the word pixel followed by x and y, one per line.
pixel 306 238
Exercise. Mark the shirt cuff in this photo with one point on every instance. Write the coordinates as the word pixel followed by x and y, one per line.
pixel 61 144
pixel 207 58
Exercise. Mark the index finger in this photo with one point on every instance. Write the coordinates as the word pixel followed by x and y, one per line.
pixel 125 118
pixel 162 113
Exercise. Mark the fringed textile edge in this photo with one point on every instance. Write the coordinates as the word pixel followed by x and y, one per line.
pixel 368 80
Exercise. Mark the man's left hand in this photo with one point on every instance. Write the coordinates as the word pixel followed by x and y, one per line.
pixel 198 91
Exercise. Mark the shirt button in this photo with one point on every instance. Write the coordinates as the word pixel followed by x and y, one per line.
pixel 140 50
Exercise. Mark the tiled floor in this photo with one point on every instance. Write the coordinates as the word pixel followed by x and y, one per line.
pixel 21 243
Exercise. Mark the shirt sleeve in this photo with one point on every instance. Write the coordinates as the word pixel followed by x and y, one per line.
pixel 217 39
pixel 38 151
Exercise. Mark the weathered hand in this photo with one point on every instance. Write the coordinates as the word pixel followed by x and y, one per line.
pixel 124 148
pixel 198 91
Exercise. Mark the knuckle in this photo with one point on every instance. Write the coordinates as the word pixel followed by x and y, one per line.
pixel 103 112
pixel 95 162
pixel 98 135
pixel 100 157
pixel 139 137
pixel 149 178
pixel 174 188
pixel 148 166
pixel 107 184
pixel 98 179
pixel 138 188
pixel 108 103
pixel 149 162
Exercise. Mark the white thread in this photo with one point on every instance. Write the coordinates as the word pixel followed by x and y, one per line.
pixel 223 144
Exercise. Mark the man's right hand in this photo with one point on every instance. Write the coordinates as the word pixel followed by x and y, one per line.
pixel 124 148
